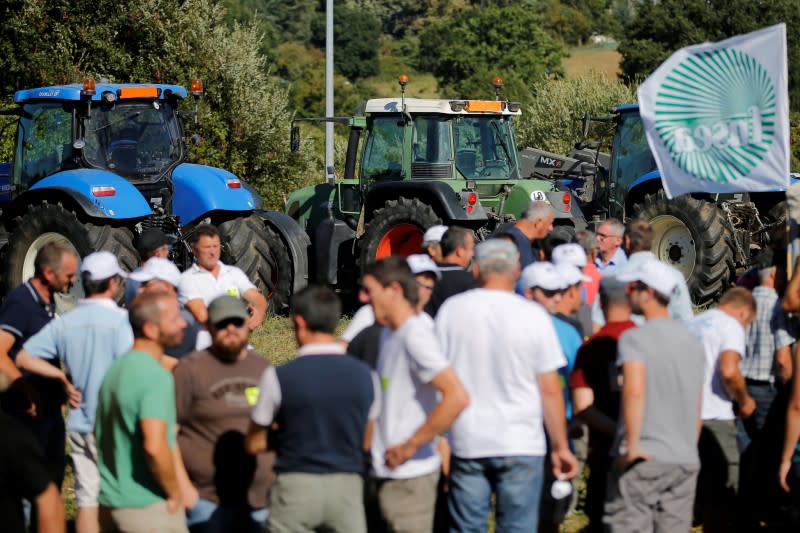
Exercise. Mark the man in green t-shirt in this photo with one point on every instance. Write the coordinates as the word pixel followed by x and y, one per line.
pixel 135 428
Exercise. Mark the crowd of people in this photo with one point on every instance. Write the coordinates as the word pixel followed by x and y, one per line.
pixel 476 378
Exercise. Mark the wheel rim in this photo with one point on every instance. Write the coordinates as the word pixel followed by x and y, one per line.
pixel 64 302
pixel 402 239
pixel 673 243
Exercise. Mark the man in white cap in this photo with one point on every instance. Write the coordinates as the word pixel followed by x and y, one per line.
pixel 653 485
pixel 575 308
pixel 159 275
pixel 505 350
pixel 431 242
pixel 552 288
pixel 87 340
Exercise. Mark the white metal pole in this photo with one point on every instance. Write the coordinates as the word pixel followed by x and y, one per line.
pixel 329 171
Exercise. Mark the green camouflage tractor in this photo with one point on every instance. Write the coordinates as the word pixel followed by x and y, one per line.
pixel 412 163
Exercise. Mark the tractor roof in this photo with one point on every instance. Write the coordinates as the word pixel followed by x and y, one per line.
pixel 424 105
pixel 74 91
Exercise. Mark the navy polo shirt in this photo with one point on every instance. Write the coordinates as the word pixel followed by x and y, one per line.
pixel 22 314
pixel 526 256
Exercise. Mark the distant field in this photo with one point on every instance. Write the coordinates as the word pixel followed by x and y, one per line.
pixel 584 60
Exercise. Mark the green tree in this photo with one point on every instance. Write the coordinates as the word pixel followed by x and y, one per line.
pixel 510 41
pixel 356 38
pixel 661 27
pixel 244 118
pixel 553 121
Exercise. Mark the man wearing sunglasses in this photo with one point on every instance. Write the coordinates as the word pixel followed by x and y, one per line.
pixel 224 488
pixel 549 287
pixel 653 483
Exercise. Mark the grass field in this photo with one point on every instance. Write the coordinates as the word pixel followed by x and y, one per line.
pixel 587 59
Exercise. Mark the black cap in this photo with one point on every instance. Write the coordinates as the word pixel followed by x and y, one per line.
pixel 152 239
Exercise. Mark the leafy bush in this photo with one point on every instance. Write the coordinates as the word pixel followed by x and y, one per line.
pixel 553 121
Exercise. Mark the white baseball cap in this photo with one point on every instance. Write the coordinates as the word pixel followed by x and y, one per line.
pixel 434 233
pixel 571 274
pixel 571 254
pixel 102 265
pixel 654 274
pixel 543 275
pixel 421 263
pixel 158 268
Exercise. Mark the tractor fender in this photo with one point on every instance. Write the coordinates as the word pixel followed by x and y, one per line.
pixel 201 189
pixel 125 203
pixel 644 178
pixel 296 241
pixel 444 200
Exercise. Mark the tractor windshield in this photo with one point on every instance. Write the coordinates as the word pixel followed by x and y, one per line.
pixel 484 147
pixel 631 153
pixel 139 141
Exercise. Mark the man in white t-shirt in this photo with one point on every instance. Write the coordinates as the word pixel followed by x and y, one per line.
pixel 722 332
pixel 422 396
pixel 505 350
pixel 209 278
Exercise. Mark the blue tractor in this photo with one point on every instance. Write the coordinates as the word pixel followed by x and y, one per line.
pixel 709 237
pixel 97 164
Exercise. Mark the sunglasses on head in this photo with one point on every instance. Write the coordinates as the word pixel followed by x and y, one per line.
pixel 236 321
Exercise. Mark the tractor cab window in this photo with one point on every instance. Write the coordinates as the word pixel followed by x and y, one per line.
pixel 135 140
pixel 383 149
pixel 484 148
pixel 632 155
pixel 44 142
pixel 431 150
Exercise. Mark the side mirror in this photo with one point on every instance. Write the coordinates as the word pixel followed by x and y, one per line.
pixel 295 139
pixel 587 120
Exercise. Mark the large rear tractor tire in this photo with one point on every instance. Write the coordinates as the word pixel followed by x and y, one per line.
pixel 396 229
pixel 251 245
pixel 691 235
pixel 46 223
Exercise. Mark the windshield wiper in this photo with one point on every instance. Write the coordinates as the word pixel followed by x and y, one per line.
pixel 512 168
pixel 128 116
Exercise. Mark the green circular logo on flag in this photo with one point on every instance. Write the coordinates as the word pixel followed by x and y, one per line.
pixel 715 113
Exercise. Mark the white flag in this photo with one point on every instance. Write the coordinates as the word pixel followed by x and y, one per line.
pixel 717 115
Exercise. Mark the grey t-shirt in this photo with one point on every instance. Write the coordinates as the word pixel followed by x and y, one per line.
pixel 675 363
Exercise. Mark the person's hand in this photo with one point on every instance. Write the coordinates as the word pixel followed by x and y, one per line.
pixel 747 408
pixel 397 455
pixel 74 395
pixel 783 474
pixel 190 497
pixel 255 319
pixel 629 459
pixel 565 466
pixel 174 505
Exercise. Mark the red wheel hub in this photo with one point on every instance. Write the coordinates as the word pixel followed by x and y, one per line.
pixel 402 239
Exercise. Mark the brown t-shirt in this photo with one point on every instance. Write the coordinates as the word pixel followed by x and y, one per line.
pixel 213 400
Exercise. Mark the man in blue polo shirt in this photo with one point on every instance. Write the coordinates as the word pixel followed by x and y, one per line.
pixel 26 310
pixel 87 339
pixel 535 222
pixel 324 404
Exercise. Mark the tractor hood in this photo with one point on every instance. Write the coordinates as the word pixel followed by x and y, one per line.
pixel 199 190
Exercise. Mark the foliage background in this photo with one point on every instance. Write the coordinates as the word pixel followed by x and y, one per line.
pixel 263 61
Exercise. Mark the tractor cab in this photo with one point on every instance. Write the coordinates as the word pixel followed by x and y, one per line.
pixel 130 130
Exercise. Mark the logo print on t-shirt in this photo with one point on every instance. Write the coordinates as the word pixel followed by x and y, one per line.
pixel 251 393
pixel 232 291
